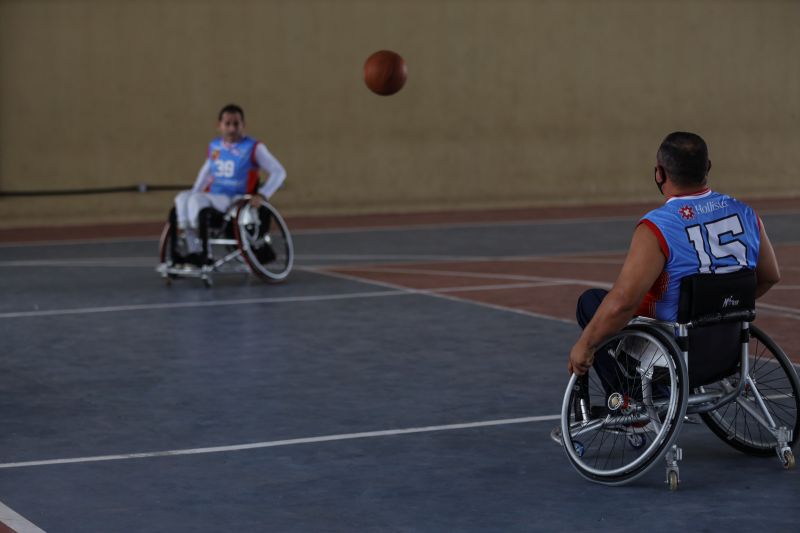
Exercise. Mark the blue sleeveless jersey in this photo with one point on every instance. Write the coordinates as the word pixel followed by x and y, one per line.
pixel 233 166
pixel 705 232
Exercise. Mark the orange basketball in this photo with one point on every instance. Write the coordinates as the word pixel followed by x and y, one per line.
pixel 385 72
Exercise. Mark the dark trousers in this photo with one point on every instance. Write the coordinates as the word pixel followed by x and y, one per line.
pixel 606 367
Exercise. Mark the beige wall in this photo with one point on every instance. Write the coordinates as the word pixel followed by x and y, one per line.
pixel 507 103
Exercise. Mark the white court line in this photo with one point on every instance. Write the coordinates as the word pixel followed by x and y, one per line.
pixel 346 230
pixel 789 312
pixel 85 262
pixel 214 303
pixel 568 257
pixel 286 442
pixel 395 291
pixel 366 229
pixel 481 275
pixel 502 223
pixel 438 294
pixel 17 522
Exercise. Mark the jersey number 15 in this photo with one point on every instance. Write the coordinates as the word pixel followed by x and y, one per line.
pixel 711 239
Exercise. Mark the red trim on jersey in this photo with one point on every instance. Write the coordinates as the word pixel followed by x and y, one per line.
pixel 252 181
pixel 662 242
pixel 653 296
pixel 253 153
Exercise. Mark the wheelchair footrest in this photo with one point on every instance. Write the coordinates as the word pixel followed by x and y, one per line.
pixel 184 270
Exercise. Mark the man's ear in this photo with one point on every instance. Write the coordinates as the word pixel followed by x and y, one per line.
pixel 661 175
pixel 709 167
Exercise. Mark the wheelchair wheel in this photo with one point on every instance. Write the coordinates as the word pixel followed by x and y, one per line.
pixel 170 248
pixel 616 424
pixel 264 241
pixel 779 390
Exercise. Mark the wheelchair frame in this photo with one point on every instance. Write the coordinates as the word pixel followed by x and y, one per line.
pixel 242 237
pixel 633 417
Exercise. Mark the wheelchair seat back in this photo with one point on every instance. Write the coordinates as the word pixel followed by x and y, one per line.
pixel 714 306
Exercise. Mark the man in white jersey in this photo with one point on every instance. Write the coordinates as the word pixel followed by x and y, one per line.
pixel 697 230
pixel 230 171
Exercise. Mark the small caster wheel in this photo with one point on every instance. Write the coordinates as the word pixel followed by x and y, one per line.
pixel 579 449
pixel 788 460
pixel 672 478
pixel 637 440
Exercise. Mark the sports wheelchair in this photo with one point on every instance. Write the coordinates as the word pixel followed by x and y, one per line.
pixel 624 415
pixel 242 239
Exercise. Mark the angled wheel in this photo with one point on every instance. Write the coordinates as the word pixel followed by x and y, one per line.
pixel 265 241
pixel 166 249
pixel 170 248
pixel 616 427
pixel 778 389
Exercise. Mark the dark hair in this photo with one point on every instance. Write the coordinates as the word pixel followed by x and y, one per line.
pixel 231 108
pixel 684 157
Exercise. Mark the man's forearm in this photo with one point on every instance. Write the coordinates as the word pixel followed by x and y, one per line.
pixel 612 315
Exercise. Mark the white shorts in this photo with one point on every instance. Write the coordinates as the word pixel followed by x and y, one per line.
pixel 188 205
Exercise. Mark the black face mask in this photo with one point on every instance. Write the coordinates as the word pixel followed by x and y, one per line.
pixel 659 184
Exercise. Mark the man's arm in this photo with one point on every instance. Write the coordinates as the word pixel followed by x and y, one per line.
pixel 643 265
pixel 767 271
pixel 276 172
pixel 203 178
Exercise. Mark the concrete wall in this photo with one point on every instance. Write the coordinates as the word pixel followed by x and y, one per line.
pixel 508 103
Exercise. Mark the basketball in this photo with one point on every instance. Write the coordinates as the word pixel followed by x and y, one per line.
pixel 385 72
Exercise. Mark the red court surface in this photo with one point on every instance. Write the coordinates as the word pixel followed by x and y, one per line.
pixel 550 286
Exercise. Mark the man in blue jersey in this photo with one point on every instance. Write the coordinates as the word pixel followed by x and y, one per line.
pixel 230 171
pixel 696 230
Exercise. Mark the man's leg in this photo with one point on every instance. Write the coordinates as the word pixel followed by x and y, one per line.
pixel 197 202
pixel 179 217
pixel 182 209
pixel 604 364
pixel 588 302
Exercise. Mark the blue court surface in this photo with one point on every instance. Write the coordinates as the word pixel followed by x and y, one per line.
pixel 399 381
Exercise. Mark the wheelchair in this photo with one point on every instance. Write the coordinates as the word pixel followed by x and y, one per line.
pixel 243 239
pixel 621 418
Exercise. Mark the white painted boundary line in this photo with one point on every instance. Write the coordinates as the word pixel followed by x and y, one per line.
pixel 790 312
pixel 482 275
pixel 17 522
pixel 286 442
pixel 365 229
pixel 150 261
pixel 346 230
pixel 212 303
pixel 396 291
pixel 136 262
pixel 439 294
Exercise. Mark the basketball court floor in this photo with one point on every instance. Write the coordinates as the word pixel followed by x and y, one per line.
pixel 405 378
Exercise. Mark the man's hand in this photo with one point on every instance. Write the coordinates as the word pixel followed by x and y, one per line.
pixel 580 359
pixel 256 200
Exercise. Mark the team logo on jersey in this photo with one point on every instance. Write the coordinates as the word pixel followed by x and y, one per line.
pixel 686 212
pixel 214 155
